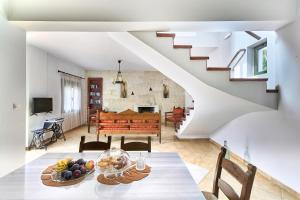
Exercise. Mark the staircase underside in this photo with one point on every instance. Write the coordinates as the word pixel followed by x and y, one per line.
pixel 212 107
pixel 251 89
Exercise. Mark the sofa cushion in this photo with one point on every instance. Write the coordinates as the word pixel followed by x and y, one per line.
pixel 152 121
pixel 121 121
pixel 143 126
pixel 144 129
pixel 114 126
pixel 137 121
pixel 107 121
pixel 114 129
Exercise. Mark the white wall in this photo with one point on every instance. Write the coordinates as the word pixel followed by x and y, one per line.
pixel 198 39
pixel 3 7
pixel 207 44
pixel 188 100
pixel 220 57
pixel 13 91
pixel 288 68
pixel 273 138
pixel 43 80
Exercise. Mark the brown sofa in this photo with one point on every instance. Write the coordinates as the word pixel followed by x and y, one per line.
pixel 129 123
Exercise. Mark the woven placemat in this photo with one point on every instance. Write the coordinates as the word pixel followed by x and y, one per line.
pixel 47 180
pixel 127 177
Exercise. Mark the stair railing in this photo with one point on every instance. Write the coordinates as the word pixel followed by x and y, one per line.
pixel 240 52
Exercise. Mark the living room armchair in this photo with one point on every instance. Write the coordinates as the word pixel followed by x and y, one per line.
pixel 176 116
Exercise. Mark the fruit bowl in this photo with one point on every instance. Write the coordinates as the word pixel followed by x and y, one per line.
pixel 69 169
pixel 113 162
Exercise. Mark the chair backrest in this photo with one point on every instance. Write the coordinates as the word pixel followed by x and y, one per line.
pixel 178 113
pixel 92 111
pixel 94 146
pixel 245 178
pixel 136 146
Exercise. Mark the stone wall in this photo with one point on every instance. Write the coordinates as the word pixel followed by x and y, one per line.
pixel 139 82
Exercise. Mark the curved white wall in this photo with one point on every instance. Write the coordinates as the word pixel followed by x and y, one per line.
pixel 273 138
pixel 271 141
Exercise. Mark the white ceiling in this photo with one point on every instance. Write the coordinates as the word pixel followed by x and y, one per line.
pixel 91 50
pixel 151 10
pixel 153 15
pixel 76 29
pixel 195 26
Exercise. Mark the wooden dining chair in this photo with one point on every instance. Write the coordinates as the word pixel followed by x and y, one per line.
pixel 245 178
pixel 136 146
pixel 94 145
pixel 176 116
pixel 92 117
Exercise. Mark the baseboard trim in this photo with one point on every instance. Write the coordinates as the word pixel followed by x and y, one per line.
pixel 191 137
pixel 262 173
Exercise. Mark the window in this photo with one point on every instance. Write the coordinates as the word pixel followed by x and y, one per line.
pixel 71 95
pixel 260 59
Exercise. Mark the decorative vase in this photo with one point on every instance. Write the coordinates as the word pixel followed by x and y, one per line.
pixel 165 91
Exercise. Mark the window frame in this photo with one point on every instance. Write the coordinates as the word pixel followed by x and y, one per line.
pixel 68 94
pixel 256 49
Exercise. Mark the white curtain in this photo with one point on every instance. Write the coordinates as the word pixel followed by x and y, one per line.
pixel 71 101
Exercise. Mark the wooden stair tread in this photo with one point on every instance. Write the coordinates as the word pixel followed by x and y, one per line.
pixel 166 35
pixel 218 69
pixel 199 57
pixel 182 46
pixel 272 90
pixel 248 79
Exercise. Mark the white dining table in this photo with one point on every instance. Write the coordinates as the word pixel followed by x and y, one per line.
pixel 168 180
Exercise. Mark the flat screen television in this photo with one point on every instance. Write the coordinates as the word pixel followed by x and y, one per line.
pixel 42 105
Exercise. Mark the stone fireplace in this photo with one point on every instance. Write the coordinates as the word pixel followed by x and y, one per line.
pixel 146 108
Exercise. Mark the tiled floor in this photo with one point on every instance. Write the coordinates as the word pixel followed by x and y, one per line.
pixel 199 152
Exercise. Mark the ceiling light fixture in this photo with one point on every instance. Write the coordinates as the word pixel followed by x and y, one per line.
pixel 119 79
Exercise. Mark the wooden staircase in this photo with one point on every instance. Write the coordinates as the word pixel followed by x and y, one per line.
pixel 186 114
pixel 212 69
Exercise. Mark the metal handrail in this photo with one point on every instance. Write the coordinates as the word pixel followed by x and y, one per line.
pixel 243 51
pixel 253 35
